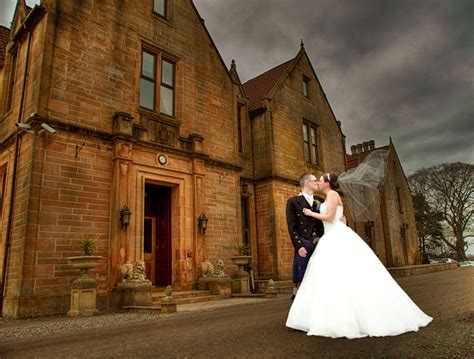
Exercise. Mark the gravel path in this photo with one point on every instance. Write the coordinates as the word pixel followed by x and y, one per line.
pixel 250 330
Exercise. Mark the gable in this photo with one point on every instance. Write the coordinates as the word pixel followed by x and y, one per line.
pixel 258 88
pixel 201 21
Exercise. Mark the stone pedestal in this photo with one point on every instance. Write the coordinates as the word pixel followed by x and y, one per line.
pixel 132 295
pixel 241 280
pixel 83 300
pixel 218 285
pixel 168 304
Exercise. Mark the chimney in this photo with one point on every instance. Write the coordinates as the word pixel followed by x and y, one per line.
pixel 353 149
pixel 365 146
pixel 371 145
pixel 359 148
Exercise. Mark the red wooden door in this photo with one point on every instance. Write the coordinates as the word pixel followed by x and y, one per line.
pixel 158 220
pixel 163 238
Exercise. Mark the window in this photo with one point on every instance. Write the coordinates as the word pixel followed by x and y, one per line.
pixel 403 238
pixel 368 227
pixel 11 85
pixel 167 88
pixel 310 143
pixel 147 81
pixel 244 202
pixel 305 86
pixel 3 183
pixel 159 7
pixel 239 127
pixel 157 69
pixel 399 200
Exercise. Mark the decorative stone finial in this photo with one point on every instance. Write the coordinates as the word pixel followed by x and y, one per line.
pixel 271 291
pixel 302 43
pixel 169 291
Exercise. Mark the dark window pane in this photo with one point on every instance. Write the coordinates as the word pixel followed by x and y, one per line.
pixel 305 88
pixel 166 101
pixel 306 152
pixel 239 128
pixel 147 94
pixel 159 7
pixel 167 73
pixel 305 133
pixel 314 154
pixel 148 65
pixel 313 136
pixel 12 81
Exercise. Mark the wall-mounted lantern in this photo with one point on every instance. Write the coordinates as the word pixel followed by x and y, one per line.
pixel 245 187
pixel 125 215
pixel 202 223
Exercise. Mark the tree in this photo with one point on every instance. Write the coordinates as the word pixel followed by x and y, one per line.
pixel 428 226
pixel 449 190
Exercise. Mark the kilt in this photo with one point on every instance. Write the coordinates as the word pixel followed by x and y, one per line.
pixel 300 263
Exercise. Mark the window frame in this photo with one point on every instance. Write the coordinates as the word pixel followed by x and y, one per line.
pixel 173 88
pixel 311 125
pixel 165 6
pixel 246 230
pixel 3 187
pixel 399 199
pixel 239 127
pixel 306 81
pixel 159 58
pixel 12 78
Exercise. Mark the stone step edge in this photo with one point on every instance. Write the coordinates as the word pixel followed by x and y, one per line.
pixel 195 299
pixel 138 308
pixel 179 296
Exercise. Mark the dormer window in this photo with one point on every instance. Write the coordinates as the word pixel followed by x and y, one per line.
pixel 305 86
pixel 159 7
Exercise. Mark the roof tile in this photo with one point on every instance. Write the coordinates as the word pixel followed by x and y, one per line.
pixel 259 87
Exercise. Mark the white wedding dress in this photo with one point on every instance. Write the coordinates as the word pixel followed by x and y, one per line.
pixel 347 292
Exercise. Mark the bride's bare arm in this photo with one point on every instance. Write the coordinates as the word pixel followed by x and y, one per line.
pixel 331 206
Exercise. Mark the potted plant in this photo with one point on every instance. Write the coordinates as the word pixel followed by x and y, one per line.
pixel 87 260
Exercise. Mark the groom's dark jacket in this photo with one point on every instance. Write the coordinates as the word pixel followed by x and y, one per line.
pixel 300 225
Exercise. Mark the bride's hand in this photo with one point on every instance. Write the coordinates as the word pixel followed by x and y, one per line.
pixel 308 212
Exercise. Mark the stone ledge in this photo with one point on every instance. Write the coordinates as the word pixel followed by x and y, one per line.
pixel 420 269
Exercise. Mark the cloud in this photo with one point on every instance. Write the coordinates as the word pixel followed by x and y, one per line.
pixel 389 68
pixel 400 68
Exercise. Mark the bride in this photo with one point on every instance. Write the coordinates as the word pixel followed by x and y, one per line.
pixel 346 290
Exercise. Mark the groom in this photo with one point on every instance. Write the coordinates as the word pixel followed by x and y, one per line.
pixel 305 231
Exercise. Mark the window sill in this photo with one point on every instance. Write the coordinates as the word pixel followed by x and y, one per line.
pixel 317 166
pixel 162 19
pixel 155 116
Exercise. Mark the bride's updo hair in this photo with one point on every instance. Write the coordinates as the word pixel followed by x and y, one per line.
pixel 331 178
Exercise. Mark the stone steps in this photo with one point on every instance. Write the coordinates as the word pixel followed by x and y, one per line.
pixel 159 294
pixel 186 297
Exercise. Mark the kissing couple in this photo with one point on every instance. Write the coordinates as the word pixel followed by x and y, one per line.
pixel 341 287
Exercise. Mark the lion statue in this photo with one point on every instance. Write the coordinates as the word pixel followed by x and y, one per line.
pixel 213 269
pixel 134 273
pixel 219 268
pixel 207 268
pixel 126 272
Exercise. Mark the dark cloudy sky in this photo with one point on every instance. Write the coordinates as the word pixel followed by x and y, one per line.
pixel 389 67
